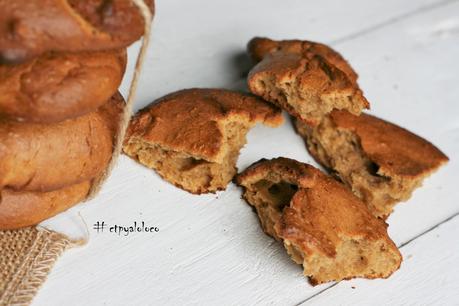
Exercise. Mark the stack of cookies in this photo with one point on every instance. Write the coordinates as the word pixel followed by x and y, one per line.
pixel 61 63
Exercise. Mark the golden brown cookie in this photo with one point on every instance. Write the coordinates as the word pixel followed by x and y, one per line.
pixel 381 162
pixel 192 137
pixel 306 79
pixel 25 208
pixel 59 86
pixel 29 28
pixel 45 157
pixel 322 224
pixel 259 47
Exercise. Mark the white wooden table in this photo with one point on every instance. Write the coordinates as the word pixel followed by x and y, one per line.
pixel 210 249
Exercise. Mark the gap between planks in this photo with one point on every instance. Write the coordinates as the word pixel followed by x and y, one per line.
pixel 385 23
pixel 400 246
pixel 391 21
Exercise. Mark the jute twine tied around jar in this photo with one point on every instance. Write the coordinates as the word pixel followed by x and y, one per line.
pixel 27 255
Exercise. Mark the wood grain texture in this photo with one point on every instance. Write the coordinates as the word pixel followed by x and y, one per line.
pixel 210 249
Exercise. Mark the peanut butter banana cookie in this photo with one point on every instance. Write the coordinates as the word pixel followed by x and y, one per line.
pixel 192 138
pixel 322 224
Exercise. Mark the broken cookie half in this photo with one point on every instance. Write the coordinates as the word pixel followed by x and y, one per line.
pixel 192 137
pixel 305 78
pixel 381 162
pixel 322 224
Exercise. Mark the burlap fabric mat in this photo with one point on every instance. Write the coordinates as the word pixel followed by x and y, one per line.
pixel 26 257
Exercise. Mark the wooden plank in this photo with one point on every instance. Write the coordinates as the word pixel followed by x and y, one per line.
pixel 210 249
pixel 428 276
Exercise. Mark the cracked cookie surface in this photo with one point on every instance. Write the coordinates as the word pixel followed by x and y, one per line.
pixel 59 86
pixel 322 224
pixel 380 162
pixel 192 137
pixel 29 28
pixel 306 79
